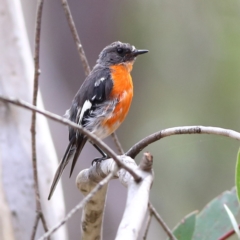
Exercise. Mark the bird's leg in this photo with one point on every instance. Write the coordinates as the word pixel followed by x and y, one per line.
pixel 99 159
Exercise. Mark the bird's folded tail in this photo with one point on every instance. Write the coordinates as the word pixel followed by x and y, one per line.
pixel 74 148
pixel 79 146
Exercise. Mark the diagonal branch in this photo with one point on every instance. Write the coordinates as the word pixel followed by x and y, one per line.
pixel 117 143
pixel 67 122
pixel 39 215
pixel 148 224
pixel 138 147
pixel 76 37
pixel 161 222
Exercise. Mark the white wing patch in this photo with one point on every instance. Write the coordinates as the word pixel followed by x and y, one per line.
pixel 97 83
pixel 86 106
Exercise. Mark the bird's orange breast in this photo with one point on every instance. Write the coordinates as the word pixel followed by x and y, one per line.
pixel 123 92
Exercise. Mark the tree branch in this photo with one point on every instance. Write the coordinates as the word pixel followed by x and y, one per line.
pixel 67 122
pixel 137 201
pixel 161 222
pixel 33 124
pixel 76 37
pixel 117 143
pixel 148 224
pixel 138 147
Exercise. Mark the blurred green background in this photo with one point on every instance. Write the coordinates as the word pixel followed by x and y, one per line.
pixel 191 76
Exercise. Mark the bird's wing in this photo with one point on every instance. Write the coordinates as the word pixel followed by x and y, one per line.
pixel 94 92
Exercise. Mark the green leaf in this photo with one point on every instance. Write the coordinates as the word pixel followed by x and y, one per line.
pixel 184 230
pixel 237 175
pixel 213 222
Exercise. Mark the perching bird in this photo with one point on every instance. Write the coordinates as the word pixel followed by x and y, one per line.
pixel 102 102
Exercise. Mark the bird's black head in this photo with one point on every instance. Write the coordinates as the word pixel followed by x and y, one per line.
pixel 118 52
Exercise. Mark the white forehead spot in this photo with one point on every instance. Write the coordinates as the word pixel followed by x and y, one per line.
pixel 133 48
pixel 102 79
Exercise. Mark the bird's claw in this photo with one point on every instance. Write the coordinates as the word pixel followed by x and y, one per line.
pixel 99 160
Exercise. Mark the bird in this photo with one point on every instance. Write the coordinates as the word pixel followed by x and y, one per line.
pixel 101 103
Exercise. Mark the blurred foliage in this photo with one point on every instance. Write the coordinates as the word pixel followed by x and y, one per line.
pixel 212 222
pixel 185 229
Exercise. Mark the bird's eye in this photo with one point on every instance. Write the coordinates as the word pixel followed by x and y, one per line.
pixel 120 50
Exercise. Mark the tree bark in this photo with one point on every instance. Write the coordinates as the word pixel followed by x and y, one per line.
pixel 17 199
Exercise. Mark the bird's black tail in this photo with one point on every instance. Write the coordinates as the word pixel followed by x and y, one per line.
pixel 74 149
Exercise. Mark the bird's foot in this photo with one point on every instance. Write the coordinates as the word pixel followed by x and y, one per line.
pixel 99 160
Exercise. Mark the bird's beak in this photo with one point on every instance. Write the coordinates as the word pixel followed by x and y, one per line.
pixel 139 52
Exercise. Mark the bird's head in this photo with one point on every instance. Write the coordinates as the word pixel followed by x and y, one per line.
pixel 118 52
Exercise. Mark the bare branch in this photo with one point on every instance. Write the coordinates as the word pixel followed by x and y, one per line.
pixel 117 143
pixel 38 217
pixel 138 147
pixel 67 122
pixel 161 222
pixel 33 124
pixel 78 207
pixel 148 224
pixel 76 37
pixel 34 230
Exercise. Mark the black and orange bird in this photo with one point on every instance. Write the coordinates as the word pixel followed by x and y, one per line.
pixel 102 102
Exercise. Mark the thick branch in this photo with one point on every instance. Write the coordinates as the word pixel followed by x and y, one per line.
pixel 67 122
pixel 88 178
pixel 92 214
pixel 138 147
pixel 137 201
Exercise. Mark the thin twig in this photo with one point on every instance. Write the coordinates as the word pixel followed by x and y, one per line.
pixel 161 222
pixel 67 122
pixel 138 147
pixel 38 217
pixel 39 214
pixel 83 58
pixel 35 226
pixel 148 224
pixel 117 143
pixel 76 37
pixel 79 206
